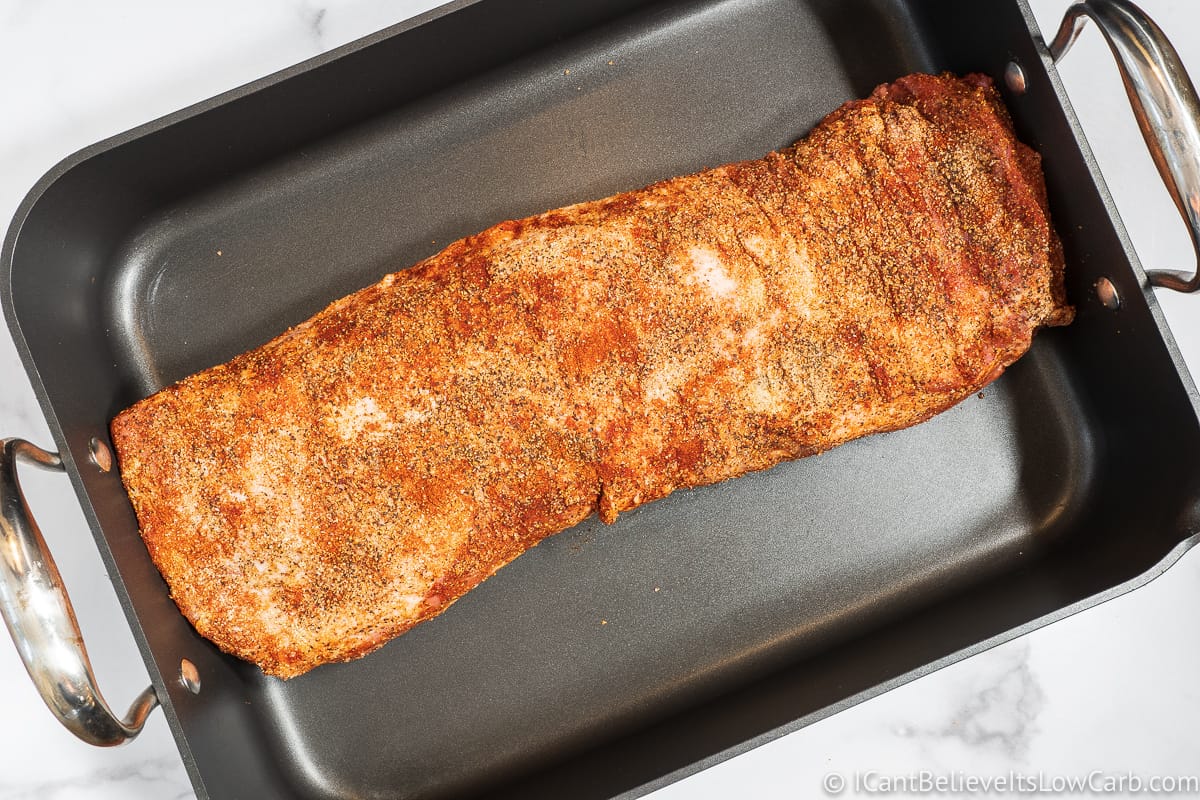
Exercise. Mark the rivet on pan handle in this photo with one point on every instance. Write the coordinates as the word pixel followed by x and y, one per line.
pixel 40 618
pixel 1164 102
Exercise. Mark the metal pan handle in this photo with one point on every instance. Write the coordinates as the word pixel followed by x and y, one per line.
pixel 40 618
pixel 1164 103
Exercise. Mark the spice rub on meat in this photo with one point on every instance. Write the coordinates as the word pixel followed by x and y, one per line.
pixel 317 496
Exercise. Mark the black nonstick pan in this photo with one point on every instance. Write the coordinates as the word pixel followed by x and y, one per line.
pixel 733 613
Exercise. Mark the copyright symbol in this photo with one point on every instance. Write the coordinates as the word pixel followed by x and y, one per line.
pixel 834 783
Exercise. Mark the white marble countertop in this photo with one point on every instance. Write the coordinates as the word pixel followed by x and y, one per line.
pixel 1112 689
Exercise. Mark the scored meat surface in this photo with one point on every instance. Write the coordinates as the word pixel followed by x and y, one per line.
pixel 317 496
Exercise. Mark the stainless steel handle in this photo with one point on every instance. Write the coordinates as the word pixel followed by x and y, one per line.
pixel 40 618
pixel 1164 103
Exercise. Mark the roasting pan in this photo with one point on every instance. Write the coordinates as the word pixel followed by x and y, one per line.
pixel 731 614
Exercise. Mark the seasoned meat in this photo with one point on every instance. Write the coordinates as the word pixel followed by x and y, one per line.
pixel 317 496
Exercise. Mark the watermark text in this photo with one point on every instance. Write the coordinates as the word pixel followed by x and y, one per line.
pixel 927 782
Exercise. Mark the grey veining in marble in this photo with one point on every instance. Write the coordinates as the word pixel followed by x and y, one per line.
pixel 155 777
pixel 997 713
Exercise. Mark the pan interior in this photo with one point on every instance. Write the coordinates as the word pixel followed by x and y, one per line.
pixel 602 629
